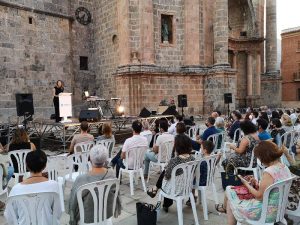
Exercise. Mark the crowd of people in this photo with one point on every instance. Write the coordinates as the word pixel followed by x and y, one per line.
pixel 256 133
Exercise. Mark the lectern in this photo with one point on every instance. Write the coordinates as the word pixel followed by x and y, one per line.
pixel 65 106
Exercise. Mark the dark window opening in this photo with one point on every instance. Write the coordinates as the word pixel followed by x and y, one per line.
pixel 167 31
pixel 298 94
pixel 84 63
pixel 243 34
pixel 30 20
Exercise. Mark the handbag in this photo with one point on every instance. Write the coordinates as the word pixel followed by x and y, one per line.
pixel 243 192
pixel 146 213
pixel 230 179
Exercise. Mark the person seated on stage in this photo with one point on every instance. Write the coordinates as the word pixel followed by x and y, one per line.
pixel 209 131
pixel 19 141
pixel 84 136
pixel 262 127
pixel 151 155
pixel 207 148
pixel 36 162
pixel 172 128
pixel 134 141
pixel 98 157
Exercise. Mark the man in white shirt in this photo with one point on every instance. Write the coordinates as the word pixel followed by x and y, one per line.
pixel 152 155
pixel 134 141
pixel 172 128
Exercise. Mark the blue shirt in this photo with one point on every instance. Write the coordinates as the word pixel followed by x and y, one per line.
pixel 209 131
pixel 263 136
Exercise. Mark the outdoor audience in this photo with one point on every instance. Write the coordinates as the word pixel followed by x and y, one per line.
pixel 262 125
pixel 276 130
pixel 172 128
pixel 106 133
pixel 236 117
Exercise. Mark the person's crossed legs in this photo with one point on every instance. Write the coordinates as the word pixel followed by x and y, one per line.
pixel 150 156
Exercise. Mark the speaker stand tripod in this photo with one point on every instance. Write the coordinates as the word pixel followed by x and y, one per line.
pixel 228 110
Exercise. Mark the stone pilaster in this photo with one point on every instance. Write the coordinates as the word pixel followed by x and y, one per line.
pixel 124 32
pixel 258 73
pixel 235 55
pixel 192 32
pixel 147 32
pixel 249 74
pixel 221 33
pixel 271 37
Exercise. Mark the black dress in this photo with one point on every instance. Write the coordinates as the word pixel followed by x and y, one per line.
pixel 14 147
pixel 56 102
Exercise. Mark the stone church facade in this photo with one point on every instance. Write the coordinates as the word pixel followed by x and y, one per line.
pixel 142 51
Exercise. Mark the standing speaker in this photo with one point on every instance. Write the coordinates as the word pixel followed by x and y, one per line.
pixel 89 115
pixel 182 101
pixel 24 103
pixel 227 98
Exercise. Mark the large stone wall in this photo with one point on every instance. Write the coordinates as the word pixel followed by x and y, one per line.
pixel 32 57
pixel 106 46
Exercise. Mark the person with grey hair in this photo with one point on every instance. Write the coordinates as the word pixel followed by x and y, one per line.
pixel 99 171
pixel 220 124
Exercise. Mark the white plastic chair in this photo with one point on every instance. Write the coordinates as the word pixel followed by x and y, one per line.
pixel 149 138
pixel 238 134
pixel 250 167
pixel 83 146
pixel 53 174
pixel 3 192
pixel 283 188
pixel 296 212
pixel 193 131
pixel 138 154
pixel 79 159
pixel 99 191
pixel 188 170
pixel 31 206
pixel 163 156
pixel 211 163
pixel 218 140
pixel 20 157
pixel 109 144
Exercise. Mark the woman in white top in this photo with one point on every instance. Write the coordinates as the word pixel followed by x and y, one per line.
pixel 51 210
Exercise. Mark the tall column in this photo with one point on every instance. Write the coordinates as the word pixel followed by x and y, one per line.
pixel 258 73
pixel 271 36
pixel 249 74
pixel 234 63
pixel 192 32
pixel 221 32
pixel 123 31
pixel 147 31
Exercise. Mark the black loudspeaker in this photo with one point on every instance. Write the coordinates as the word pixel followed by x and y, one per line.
pixel 227 98
pixel 182 101
pixel 89 115
pixel 24 103
pixel 145 113
pixel 171 110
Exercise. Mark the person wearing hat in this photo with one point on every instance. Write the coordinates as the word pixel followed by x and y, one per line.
pixel 99 171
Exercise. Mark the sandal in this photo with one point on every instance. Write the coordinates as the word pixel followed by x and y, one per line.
pixel 220 208
pixel 152 193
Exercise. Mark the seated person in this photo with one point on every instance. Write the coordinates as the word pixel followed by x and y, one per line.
pixel 262 125
pixel 236 116
pixel 151 155
pixel 210 123
pixel 36 162
pixel 19 141
pixel 286 121
pixel 146 132
pixel 134 141
pixel 269 154
pixel 98 157
pixel 276 131
pixel 183 148
pixel 106 132
pixel 207 148
pixel 84 136
pixel 220 124
pixel 172 128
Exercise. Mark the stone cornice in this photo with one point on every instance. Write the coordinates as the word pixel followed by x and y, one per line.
pixel 183 70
